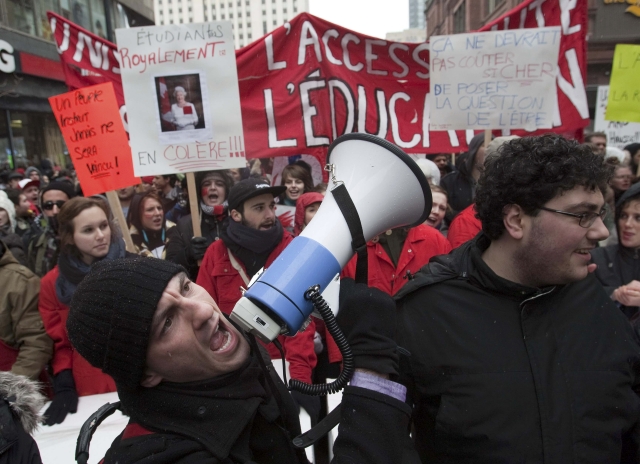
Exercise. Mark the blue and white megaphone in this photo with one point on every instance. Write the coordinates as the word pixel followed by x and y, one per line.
pixel 388 190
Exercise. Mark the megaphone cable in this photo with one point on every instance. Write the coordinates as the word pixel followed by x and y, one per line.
pixel 348 366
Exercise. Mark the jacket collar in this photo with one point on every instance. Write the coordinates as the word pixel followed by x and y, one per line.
pixel 466 262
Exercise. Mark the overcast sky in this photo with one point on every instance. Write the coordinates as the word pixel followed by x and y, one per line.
pixel 371 17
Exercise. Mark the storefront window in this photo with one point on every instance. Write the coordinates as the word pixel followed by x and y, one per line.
pixel 20 16
pixel 30 16
pixel 98 20
pixel 5 148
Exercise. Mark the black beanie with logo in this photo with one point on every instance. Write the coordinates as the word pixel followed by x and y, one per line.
pixel 111 313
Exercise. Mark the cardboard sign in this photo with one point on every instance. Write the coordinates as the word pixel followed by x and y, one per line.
pixel 92 128
pixel 624 91
pixel 287 216
pixel 619 133
pixel 183 104
pixel 494 80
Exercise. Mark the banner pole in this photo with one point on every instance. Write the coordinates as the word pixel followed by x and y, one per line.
pixel 116 209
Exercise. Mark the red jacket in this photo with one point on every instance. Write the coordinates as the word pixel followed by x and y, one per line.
pixel 422 244
pixel 89 380
pixel 218 277
pixel 464 227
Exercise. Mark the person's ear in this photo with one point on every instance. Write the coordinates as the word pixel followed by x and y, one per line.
pixel 235 215
pixel 151 379
pixel 514 220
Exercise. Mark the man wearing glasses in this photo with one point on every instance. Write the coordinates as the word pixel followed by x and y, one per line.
pixel 41 242
pixel 517 353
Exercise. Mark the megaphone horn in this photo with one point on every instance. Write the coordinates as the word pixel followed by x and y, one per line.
pixel 387 189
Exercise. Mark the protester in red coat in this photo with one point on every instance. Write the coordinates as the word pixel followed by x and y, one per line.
pixel 87 235
pixel 464 227
pixel 88 380
pixel 415 246
pixel 255 238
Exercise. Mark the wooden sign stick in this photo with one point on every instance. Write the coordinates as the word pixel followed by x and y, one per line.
pixel 193 206
pixel 487 137
pixel 116 209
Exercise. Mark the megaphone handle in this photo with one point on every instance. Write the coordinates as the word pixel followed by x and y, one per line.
pixel 348 365
pixel 352 218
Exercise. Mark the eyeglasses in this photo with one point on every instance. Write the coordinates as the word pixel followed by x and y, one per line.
pixel 48 205
pixel 586 219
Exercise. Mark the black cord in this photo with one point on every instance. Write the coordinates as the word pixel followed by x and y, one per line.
pixel 348 366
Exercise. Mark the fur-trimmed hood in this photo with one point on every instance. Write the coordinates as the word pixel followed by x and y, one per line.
pixel 24 398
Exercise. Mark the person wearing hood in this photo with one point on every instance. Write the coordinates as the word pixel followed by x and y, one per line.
pixel 251 239
pixel 185 249
pixel 41 241
pixel 306 208
pixel 8 226
pixel 148 226
pixel 20 405
pixel 461 184
pixel 619 265
pixel 87 235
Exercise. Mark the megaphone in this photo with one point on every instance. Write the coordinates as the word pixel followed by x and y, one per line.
pixel 388 190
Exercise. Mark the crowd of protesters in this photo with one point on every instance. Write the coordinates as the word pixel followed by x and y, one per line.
pixel 480 377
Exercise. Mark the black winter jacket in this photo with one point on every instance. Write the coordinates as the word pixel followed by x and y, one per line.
pixel 373 430
pixel 460 184
pixel 179 246
pixel 503 373
pixel 617 266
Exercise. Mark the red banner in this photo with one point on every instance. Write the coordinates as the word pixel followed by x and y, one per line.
pixel 310 81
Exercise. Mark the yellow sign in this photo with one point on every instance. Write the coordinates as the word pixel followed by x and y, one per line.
pixel 634 9
pixel 624 91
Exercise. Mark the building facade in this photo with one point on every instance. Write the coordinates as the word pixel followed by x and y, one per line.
pixel 609 22
pixel 417 19
pixel 251 19
pixel 30 70
pixel 408 35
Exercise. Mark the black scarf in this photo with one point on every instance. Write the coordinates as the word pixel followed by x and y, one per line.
pixel 73 269
pixel 216 413
pixel 252 247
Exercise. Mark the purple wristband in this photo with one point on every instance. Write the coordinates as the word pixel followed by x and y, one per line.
pixel 375 383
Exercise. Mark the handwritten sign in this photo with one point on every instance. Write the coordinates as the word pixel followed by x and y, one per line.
pixel 619 133
pixel 624 92
pixel 287 216
pixel 183 104
pixel 494 80
pixel 92 128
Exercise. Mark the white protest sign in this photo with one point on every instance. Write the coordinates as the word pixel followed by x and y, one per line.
pixel 619 134
pixel 183 104
pixel 494 80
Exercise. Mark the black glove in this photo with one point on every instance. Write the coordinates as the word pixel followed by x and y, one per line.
pixel 199 247
pixel 311 404
pixel 367 316
pixel 65 398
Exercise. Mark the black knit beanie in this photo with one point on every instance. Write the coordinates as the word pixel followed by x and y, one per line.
pixel 111 313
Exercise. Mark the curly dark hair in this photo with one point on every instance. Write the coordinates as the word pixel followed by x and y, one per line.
pixel 530 171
